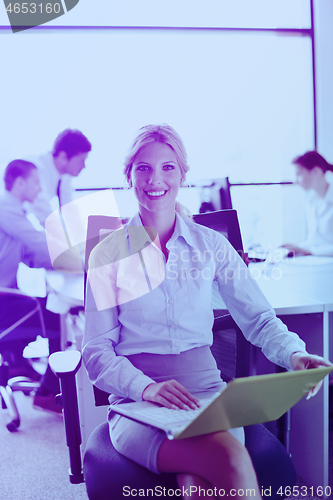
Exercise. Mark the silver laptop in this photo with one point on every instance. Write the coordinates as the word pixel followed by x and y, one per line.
pixel 243 401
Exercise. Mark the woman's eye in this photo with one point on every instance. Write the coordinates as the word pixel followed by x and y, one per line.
pixel 142 168
pixel 168 167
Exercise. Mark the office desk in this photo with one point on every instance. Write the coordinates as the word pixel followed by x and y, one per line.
pixel 301 292
pixel 309 275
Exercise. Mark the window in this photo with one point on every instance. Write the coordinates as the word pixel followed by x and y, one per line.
pixel 241 100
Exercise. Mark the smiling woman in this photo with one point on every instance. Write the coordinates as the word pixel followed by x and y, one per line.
pixel 149 339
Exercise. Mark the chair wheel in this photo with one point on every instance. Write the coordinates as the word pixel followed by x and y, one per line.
pixel 13 425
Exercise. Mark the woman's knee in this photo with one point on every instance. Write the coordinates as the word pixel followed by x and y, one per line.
pixel 210 456
pixel 227 456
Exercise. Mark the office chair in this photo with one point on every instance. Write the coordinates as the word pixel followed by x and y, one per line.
pixel 97 224
pixel 226 222
pixel 225 196
pixel 219 196
pixel 105 471
pixel 19 383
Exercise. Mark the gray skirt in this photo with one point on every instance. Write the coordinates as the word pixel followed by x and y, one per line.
pixel 195 369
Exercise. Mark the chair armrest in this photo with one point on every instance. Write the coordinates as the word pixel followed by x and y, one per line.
pixel 65 365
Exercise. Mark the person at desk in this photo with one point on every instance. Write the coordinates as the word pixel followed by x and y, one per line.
pixel 311 175
pixel 154 345
pixel 20 241
pixel 56 170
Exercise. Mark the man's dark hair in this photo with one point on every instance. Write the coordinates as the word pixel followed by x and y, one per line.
pixel 15 169
pixel 72 142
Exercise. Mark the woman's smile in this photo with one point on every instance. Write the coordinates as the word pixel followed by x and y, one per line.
pixel 156 177
pixel 156 194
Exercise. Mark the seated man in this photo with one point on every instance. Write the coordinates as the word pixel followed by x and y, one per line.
pixel 21 242
pixel 56 169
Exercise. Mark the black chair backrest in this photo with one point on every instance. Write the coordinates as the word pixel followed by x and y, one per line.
pixel 219 197
pixel 230 348
pixel 226 223
pixel 225 197
pixel 223 221
pixel 97 223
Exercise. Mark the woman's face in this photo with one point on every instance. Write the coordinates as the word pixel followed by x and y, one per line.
pixel 304 177
pixel 156 177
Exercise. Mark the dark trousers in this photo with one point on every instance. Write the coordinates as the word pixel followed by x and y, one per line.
pixel 12 308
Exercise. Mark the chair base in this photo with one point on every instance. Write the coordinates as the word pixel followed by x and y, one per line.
pixel 24 384
pixel 7 387
pixel 9 402
pixel 13 425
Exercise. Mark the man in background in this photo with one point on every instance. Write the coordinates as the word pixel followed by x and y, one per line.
pixel 56 170
pixel 20 241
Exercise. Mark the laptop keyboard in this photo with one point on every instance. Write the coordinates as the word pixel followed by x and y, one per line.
pixel 164 416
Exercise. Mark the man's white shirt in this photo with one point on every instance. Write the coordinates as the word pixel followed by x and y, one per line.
pixel 47 200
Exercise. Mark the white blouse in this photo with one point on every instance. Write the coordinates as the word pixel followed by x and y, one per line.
pixel 319 216
pixel 138 302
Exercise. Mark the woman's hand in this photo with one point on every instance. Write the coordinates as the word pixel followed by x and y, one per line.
pixel 170 394
pixel 295 251
pixel 303 361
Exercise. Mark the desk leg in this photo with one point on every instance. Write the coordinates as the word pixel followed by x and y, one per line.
pixel 63 332
pixel 309 439
pixel 330 335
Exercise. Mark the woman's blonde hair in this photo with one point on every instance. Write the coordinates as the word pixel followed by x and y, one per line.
pixel 166 135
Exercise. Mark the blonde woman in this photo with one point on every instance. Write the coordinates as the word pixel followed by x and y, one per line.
pixel 153 343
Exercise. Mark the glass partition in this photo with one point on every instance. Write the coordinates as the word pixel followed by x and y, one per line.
pixel 241 102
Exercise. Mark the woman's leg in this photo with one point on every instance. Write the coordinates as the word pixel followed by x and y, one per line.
pixel 218 458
